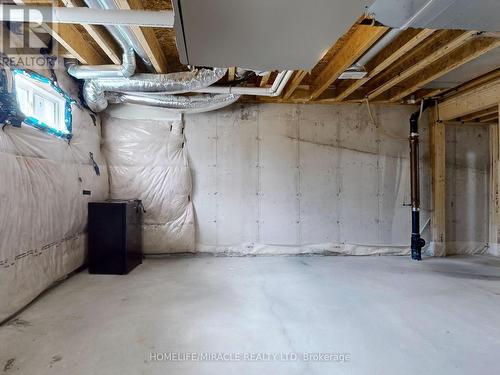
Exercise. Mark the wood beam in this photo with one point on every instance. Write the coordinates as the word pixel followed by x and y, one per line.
pixel 231 73
pixel 99 34
pixel 489 119
pixel 359 42
pixel 71 39
pixel 431 50
pixel 460 56
pixel 476 115
pixel 294 83
pixel 392 53
pixel 438 184
pixel 265 79
pixel 484 79
pixel 470 101
pixel 146 37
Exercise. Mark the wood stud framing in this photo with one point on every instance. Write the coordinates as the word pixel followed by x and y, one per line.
pixel 438 184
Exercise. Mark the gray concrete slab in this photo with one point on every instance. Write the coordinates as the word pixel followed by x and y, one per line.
pixel 390 315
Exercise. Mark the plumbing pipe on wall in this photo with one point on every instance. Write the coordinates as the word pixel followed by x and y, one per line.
pixel 417 242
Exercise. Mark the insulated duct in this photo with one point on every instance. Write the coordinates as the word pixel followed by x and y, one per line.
pixel 126 69
pixel 94 90
pixel 183 104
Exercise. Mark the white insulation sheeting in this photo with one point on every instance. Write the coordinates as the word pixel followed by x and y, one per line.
pixel 43 213
pixel 289 179
pixel 147 160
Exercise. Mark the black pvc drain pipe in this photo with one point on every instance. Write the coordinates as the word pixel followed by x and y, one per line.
pixel 417 242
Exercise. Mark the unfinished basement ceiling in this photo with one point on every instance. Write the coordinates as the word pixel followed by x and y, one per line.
pixel 439 14
pixel 261 34
pixel 467 72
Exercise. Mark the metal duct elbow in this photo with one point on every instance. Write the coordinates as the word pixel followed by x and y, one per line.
pixel 126 69
pixel 173 83
pixel 182 104
pixel 94 96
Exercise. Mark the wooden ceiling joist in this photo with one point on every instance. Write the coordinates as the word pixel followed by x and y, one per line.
pixel 146 37
pixel 489 119
pixel 458 57
pixel 265 79
pixel 391 54
pixel 99 34
pixel 432 49
pixel 71 39
pixel 484 79
pixel 359 42
pixel 294 83
pixel 231 72
pixel 471 101
pixel 477 115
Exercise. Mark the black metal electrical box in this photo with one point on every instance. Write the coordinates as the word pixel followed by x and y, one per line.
pixel 115 236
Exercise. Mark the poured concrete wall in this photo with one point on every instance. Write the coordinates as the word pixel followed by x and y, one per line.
pixel 467 188
pixel 303 178
pixel 270 179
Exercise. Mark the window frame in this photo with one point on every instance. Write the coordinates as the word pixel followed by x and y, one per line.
pixel 36 84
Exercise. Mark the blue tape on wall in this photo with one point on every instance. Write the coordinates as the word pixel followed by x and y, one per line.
pixel 9 114
pixel 67 111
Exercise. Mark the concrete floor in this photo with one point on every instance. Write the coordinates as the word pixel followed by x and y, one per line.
pixel 390 315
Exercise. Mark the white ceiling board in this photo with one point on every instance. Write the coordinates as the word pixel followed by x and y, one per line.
pixel 261 34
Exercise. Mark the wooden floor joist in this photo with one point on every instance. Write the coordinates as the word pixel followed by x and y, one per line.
pixel 477 115
pixel 146 37
pixel 468 52
pixel 294 83
pixel 470 101
pixel 72 40
pixel 489 119
pixel 437 46
pixel 265 79
pixel 100 35
pixel 360 41
pixel 391 54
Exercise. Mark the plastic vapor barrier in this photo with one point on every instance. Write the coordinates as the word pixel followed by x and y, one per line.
pixel 43 211
pixel 147 160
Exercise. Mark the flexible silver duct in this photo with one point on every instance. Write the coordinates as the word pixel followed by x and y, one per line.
pixel 174 83
pixel 183 104
pixel 126 69
pixel 122 32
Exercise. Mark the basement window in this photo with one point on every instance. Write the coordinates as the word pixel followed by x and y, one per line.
pixel 44 104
